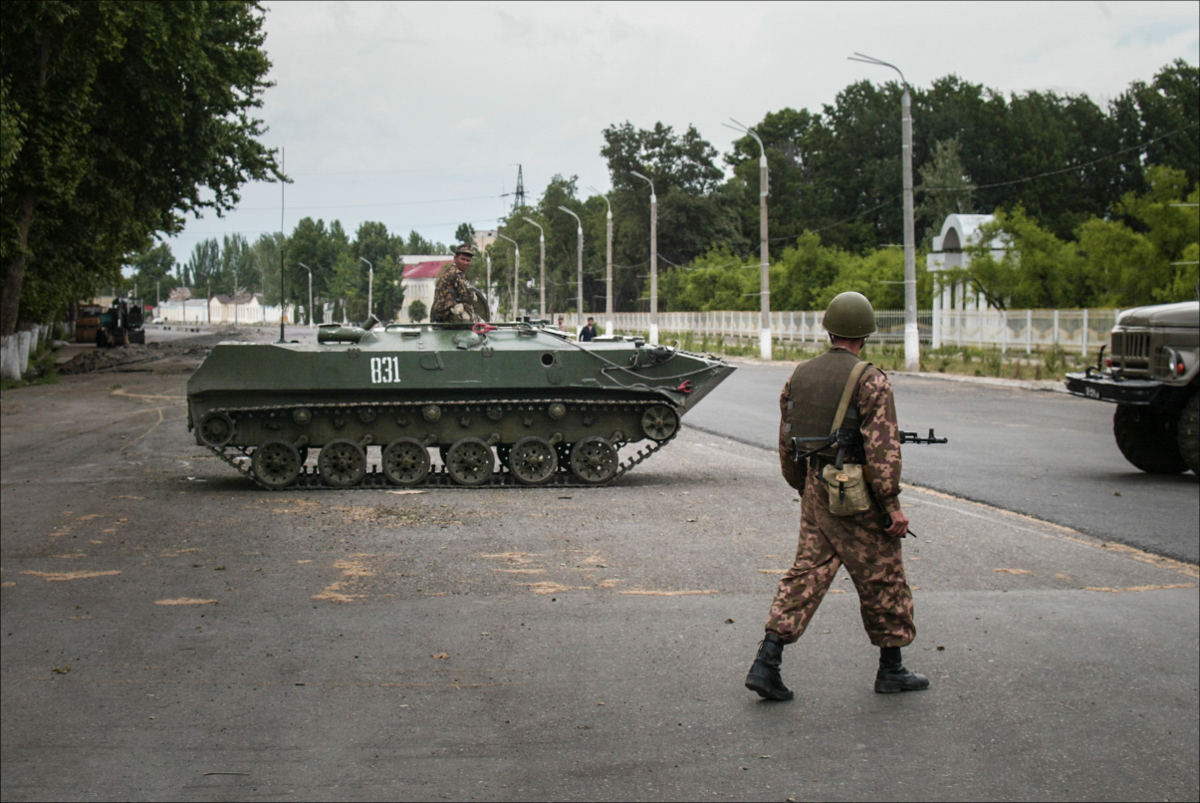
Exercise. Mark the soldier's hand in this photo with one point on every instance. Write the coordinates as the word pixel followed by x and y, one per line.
pixel 899 525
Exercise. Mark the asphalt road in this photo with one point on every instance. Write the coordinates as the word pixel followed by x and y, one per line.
pixel 171 632
pixel 1021 446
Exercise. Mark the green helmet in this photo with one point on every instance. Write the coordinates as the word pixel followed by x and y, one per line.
pixel 849 315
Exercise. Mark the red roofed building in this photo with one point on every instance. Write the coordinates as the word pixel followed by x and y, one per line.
pixel 418 281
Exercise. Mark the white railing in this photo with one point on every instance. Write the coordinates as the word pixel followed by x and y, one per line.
pixel 1026 330
pixel 199 311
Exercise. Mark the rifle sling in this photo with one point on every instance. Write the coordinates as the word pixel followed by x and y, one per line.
pixel 847 392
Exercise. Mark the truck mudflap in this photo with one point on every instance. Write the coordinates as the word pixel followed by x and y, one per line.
pixel 1095 385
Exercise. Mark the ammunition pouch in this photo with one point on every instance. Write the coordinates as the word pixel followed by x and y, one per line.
pixel 847 487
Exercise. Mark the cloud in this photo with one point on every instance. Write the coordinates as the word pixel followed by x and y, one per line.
pixel 387 110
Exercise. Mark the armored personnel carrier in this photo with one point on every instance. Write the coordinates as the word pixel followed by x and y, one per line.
pixel 507 404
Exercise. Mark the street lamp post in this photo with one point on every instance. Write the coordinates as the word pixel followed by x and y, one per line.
pixel 764 255
pixel 653 258
pixel 310 298
pixel 541 263
pixel 912 337
pixel 488 259
pixel 282 247
pixel 370 288
pixel 579 270
pixel 516 305
pixel 608 279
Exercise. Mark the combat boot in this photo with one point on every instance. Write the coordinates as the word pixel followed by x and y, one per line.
pixel 893 677
pixel 763 676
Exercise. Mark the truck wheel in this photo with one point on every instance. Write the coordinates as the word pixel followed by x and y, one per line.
pixel 1147 439
pixel 1187 433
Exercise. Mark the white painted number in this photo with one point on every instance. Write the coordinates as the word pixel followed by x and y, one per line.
pixel 385 370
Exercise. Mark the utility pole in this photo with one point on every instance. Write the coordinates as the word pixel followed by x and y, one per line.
pixel 608 277
pixel 579 273
pixel 764 254
pixel 370 289
pixel 282 187
pixel 516 270
pixel 542 263
pixel 912 335
pixel 653 258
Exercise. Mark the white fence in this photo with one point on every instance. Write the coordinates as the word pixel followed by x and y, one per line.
pixel 1028 330
pixel 216 311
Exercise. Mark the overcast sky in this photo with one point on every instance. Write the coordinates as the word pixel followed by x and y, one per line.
pixel 417 114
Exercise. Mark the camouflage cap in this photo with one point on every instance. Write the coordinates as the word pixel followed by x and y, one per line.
pixel 464 249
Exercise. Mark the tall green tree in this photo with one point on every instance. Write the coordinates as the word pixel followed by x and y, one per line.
pixel 374 243
pixel 264 256
pixel 944 188
pixel 129 115
pixel 465 233
pixel 416 244
pixel 1159 124
pixel 790 141
pixel 204 267
pixel 1036 269
pixel 691 215
pixel 152 268
pixel 236 272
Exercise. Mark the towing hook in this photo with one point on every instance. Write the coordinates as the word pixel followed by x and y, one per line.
pixel 685 386
pixel 481 328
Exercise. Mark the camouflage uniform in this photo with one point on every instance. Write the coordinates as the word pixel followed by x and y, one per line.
pixel 871 556
pixel 453 297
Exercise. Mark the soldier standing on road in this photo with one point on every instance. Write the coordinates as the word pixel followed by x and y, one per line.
pixel 868 543
pixel 453 296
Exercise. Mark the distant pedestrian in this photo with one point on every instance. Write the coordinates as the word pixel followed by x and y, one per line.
pixel 864 537
pixel 588 332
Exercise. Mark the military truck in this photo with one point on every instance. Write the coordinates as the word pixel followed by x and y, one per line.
pixel 1152 375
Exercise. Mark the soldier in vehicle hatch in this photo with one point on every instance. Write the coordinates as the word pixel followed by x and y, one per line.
pixel 453 296
pixel 864 536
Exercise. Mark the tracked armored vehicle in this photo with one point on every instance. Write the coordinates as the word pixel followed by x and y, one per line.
pixel 497 405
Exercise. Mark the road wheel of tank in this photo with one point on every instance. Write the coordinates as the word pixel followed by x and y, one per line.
pixel 659 422
pixel 594 460
pixel 405 461
pixel 276 464
pixel 342 463
pixel 470 462
pixel 533 460
pixel 1187 433
pixel 216 429
pixel 1147 439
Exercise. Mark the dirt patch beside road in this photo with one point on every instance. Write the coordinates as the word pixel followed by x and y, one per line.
pixel 167 355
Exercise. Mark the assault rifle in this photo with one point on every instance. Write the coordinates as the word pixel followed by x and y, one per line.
pixel 912 437
pixel 849 442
